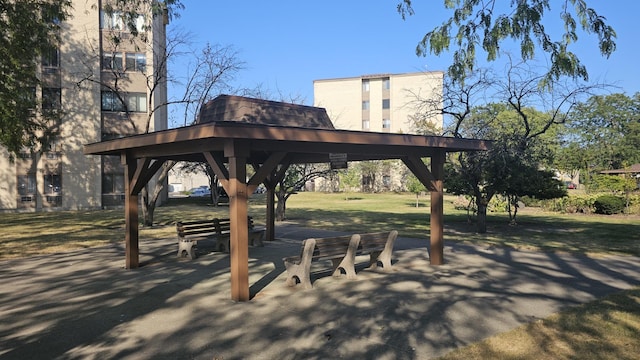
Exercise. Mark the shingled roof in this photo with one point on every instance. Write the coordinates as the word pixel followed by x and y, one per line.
pixel 264 112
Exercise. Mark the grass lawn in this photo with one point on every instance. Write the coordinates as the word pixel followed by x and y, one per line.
pixel 607 328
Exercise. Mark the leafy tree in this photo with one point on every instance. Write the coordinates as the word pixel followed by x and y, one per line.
pixel 488 24
pixel 350 179
pixel 415 186
pixel 527 180
pixel 504 109
pixel 295 178
pixel 28 29
pixel 604 134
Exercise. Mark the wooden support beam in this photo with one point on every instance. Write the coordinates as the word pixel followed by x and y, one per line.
pixel 239 242
pixel 145 171
pixel 437 209
pixel 263 171
pixel 217 165
pixel 132 251
pixel 420 170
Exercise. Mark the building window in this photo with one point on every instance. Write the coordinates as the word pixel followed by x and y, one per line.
pixel 51 99
pixel 113 183
pixel 365 124
pixel 27 184
pixel 112 61
pixel 386 181
pixel 28 97
pixel 386 103
pixel 386 84
pixel 116 21
pixel 26 155
pixel 137 102
pixel 138 22
pixel 386 124
pixel 365 85
pixel 111 136
pixel 111 102
pixel 54 200
pixel 136 62
pixel 365 105
pixel 52 184
pixel 50 57
pixel 111 21
pixel 50 13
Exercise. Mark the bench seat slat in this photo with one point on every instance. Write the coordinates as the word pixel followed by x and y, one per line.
pixel 190 231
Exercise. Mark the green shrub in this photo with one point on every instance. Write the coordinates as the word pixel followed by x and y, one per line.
pixel 463 203
pixel 609 204
pixel 498 204
pixel 571 204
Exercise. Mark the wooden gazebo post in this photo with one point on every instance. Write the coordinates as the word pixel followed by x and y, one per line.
pixel 436 256
pixel 239 242
pixel 131 242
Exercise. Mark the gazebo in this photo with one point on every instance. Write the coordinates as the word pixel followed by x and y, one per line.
pixel 233 132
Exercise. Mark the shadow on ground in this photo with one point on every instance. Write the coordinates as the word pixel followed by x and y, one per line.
pixel 83 305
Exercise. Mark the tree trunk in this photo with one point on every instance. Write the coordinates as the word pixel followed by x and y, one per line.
pixel 281 208
pixel 417 204
pixel 144 195
pixel 481 225
pixel 149 203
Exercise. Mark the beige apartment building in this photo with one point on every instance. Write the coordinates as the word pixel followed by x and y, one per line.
pixel 106 81
pixel 379 103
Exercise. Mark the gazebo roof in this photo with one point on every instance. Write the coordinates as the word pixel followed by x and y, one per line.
pixel 262 127
pixel 265 112
pixel 304 145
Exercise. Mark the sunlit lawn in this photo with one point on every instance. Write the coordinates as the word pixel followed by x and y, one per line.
pixel 535 229
pixel 27 234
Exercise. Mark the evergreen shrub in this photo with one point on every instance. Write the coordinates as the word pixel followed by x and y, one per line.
pixel 609 204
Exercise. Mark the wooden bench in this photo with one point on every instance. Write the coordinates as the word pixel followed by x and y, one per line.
pixel 341 250
pixel 223 234
pixel 189 232
pixel 379 246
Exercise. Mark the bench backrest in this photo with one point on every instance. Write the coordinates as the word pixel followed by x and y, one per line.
pixel 377 241
pixel 223 226
pixel 198 227
pixel 329 248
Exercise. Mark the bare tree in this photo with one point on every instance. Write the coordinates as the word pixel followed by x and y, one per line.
pixel 476 108
pixel 208 72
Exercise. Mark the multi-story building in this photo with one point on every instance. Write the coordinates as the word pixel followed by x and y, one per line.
pixel 382 103
pixel 106 80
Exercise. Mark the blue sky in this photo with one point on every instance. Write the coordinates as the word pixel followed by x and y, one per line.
pixel 287 44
